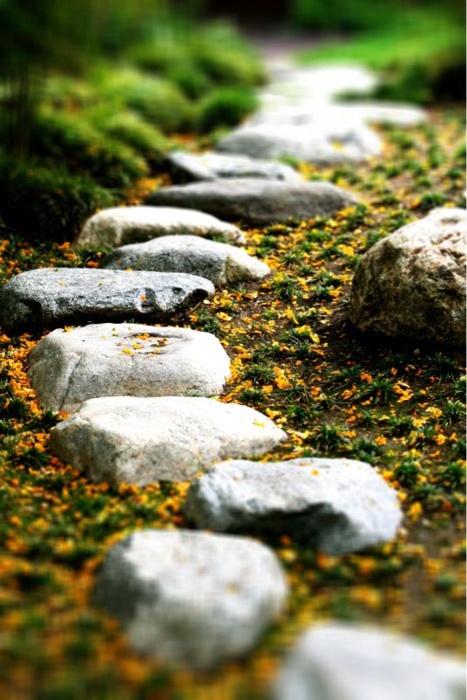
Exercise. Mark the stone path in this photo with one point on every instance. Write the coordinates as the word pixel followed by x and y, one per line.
pixel 140 395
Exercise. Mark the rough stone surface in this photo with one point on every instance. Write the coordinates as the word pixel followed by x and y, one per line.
pixel 257 202
pixel 140 440
pixel 67 368
pixel 190 599
pixel 324 142
pixel 307 113
pixel 219 262
pixel 412 283
pixel 124 225
pixel 190 167
pixel 51 297
pixel 336 661
pixel 337 505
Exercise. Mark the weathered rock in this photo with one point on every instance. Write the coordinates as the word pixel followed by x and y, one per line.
pixel 323 142
pixel 307 113
pixel 140 440
pixel 51 297
pixel 337 505
pixel 412 283
pixel 337 661
pixel 190 167
pixel 257 202
pixel 124 225
pixel 190 599
pixel 219 262
pixel 67 368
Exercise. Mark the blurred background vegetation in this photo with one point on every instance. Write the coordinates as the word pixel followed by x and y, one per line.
pixel 94 93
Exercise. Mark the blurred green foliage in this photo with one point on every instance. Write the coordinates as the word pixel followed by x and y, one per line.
pixel 91 94
pixel 419 51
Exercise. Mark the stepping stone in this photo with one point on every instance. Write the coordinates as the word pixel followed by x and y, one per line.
pixel 141 440
pixel 51 297
pixel 412 283
pixel 322 84
pixel 124 225
pixel 190 599
pixel 188 167
pixel 307 113
pixel 337 505
pixel 338 661
pixel 325 142
pixel 67 368
pixel 257 202
pixel 219 262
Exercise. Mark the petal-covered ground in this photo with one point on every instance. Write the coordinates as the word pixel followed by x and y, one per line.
pixel 398 406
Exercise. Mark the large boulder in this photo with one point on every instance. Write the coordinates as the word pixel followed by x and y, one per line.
pixel 324 141
pixel 338 661
pixel 123 225
pixel 67 368
pixel 257 202
pixel 196 167
pixel 190 599
pixel 140 440
pixel 412 283
pixel 219 262
pixel 336 505
pixel 51 297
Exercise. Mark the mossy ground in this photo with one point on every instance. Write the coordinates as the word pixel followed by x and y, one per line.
pixel 399 406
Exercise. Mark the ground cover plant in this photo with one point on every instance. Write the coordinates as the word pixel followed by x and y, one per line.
pixel 399 406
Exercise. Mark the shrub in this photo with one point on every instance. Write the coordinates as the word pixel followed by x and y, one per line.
pixel 156 99
pixel 63 137
pixel 42 204
pixel 225 107
pixel 224 58
pixel 130 128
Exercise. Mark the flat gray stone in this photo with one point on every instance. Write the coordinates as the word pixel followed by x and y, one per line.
pixel 323 142
pixel 141 440
pixel 338 661
pixel 307 113
pixel 337 505
pixel 67 368
pixel 190 167
pixel 219 262
pixel 51 297
pixel 190 599
pixel 257 202
pixel 412 283
pixel 124 225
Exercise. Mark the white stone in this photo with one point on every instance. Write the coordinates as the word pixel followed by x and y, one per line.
pixel 67 368
pixel 189 599
pixel 52 297
pixel 219 262
pixel 323 142
pixel 307 113
pixel 336 661
pixel 193 167
pixel 322 84
pixel 141 440
pixel 337 505
pixel 123 225
pixel 412 283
